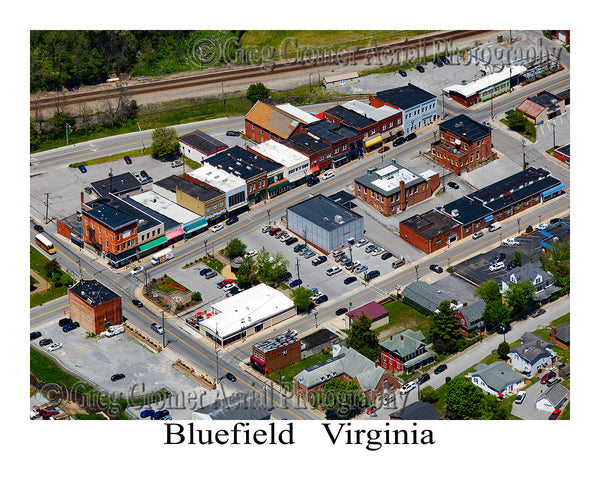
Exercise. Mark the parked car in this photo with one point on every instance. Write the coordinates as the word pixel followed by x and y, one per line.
pixel 377 251
pixel 361 242
pixel 299 247
pixel 420 69
pixel 49 413
pixel 345 262
pixel 504 327
pixel 487 124
pixel 82 169
pixel 498 258
pixel 319 260
pixel 38 228
pixel 284 237
pixel 224 282
pixel 555 414
pixel 232 133
pixel 204 271
pixel 423 378
pixel 309 254
pixel 54 346
pixel 117 376
pixel 34 335
pixel 291 241
pixel 352 265
pixel 64 321
pixel 147 413
pixel 520 397
pixel 510 242
pixel 496 266
pixel 407 387
pixel 157 328
pixel 312 181
pixel 341 311
pixel 211 274
pixel 554 220
pixel 361 269
pixel 45 341
pixel 371 410
pixel 296 283
pixel 286 276
pixel 411 136
pixel 136 270
pixel 547 377
pixel 327 175
pixel 453 185
pixel 399 141
pixel 436 268
pixel 231 220
pixel 137 303
pixel 70 326
pixel 539 312
pixel 176 163
pixel 349 280
pixel 266 228
pixel 160 415
pixel 372 274
pixel 383 149
pixel 251 253
pixel 333 270
pixel 371 248
pixel 320 299
pixel 440 368
pixel 217 227
pixel 385 255
pixel 127 159
pixel 230 376
pixel 274 230
pixel 444 59
pixel 228 287
pixel 234 290
pixel 402 72
pixel 477 235
pixel 541 226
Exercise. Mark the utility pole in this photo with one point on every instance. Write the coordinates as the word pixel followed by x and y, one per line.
pixel 141 141
pixel 163 327
pixel 492 107
pixel 316 315
pixel 553 137
pixel 417 272
pixel 523 144
pixel 47 194
pixel 67 126
pixel 223 94
pixel 217 352
pixel 298 268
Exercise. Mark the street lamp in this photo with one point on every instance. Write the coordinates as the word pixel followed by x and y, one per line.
pixel 417 272
pixel 518 225
pixel 316 315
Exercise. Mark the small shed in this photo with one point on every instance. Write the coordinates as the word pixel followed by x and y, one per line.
pixel 378 315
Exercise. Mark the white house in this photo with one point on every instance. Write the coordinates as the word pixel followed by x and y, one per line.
pixel 553 398
pixel 532 355
pixel 532 272
pixel 497 378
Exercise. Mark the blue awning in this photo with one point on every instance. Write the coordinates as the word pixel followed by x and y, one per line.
pixel 553 190
pixel 489 218
pixel 193 226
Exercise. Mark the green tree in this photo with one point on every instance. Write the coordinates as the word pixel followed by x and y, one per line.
pixel 343 398
pixel 462 399
pixel 362 339
pixel 164 142
pixel 429 394
pixel 495 313
pixel 557 262
pixel 517 260
pixel 488 291
pixel 52 267
pixel 246 274
pixel 234 248
pixel 264 263
pixel 503 350
pixel 519 295
pixel 256 92
pixel 491 408
pixel 196 296
pixel 444 329
pixel 301 298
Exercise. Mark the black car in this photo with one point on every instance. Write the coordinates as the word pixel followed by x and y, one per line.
pixel 420 69
pixel 299 247
pixel 499 258
pixel 402 72
pixel 321 299
pixel 312 181
pixel 552 221
pixel 541 311
pixel 453 185
pixel 159 414
pixel 204 271
pixel 445 60
pixel 230 377
pixel 71 326
pixel 504 327
pixel 440 368
pixel 349 280
pixel 385 255
pixel 436 268
pixel 38 228
pixel 234 291
pixel 411 136
pixel 423 378
pixel 291 241
pixel 232 133
pixel 286 276
pixel 64 321
pixel 127 160
pixel 34 335
pixel 45 341
pixel 399 141
pixel 371 275
pixel 137 303
pixel 117 376
pixel 319 260
pixel 231 220
pixel 341 311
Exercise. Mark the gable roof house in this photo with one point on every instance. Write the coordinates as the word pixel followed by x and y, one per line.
pixel 424 296
pixel 497 378
pixel 469 315
pixel 269 122
pixel 555 397
pixel 533 354
pixel 561 335
pixel 542 281
pixel 405 352
pixel 346 364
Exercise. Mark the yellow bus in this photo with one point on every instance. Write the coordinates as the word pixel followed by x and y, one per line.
pixel 45 244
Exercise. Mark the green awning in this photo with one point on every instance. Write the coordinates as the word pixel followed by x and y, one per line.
pixel 279 185
pixel 192 227
pixel 153 243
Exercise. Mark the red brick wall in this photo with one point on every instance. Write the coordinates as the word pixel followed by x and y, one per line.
pixel 92 237
pixel 63 229
pixel 424 244
pixel 482 147
pixel 275 359
pixel 92 318
pixel 391 363
pixel 258 136
pixel 562 158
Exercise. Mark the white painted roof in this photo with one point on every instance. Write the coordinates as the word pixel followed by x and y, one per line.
pixel 217 178
pixel 487 81
pixel 160 204
pixel 391 176
pixel 279 153
pixel 376 114
pixel 298 113
pixel 427 174
pixel 246 309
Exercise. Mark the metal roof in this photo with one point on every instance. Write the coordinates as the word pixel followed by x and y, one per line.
pixel 324 212
pixel 405 97
pixel 202 142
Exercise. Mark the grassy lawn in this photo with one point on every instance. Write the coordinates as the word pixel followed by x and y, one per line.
pixel 36 263
pixel 169 285
pixel 285 375
pixel 213 263
pixel 402 317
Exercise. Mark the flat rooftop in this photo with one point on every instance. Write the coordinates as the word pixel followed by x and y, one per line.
pixel 202 142
pixel 123 183
pixel 276 342
pixel 279 153
pixel 160 204
pixel 93 292
pixel 217 178
pixel 465 128
pixel 116 213
pixel 296 112
pixel 405 97
pixel 387 180
pixel 430 224
pixel 324 212
pixel 366 110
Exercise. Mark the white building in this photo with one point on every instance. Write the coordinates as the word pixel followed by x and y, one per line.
pixel 247 313
pixel 234 187
pixel 296 165
pixel 296 112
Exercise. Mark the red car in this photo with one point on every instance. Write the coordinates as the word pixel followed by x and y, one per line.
pixel 555 414
pixel 273 231
pixel 49 413
pixel 371 410
pixel 222 283
pixel 547 377
pixel 383 149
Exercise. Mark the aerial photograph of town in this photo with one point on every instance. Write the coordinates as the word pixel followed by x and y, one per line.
pixel 350 227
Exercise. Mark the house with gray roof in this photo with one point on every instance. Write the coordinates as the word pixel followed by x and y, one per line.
pixel 561 335
pixel 246 407
pixel 347 364
pixel 497 378
pixel 416 411
pixel 470 316
pixel 533 354
pixel 534 273
pixel 555 397
pixel 424 296
pixel 405 352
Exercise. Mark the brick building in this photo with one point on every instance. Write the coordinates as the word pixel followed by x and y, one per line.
pixel 463 144
pixel 94 306
pixel 405 352
pixel 276 352
pixel 393 188
pixel 269 122
pixel 563 153
pixel 430 231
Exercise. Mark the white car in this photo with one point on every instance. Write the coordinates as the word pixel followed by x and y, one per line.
pixel 407 387
pixel 136 270
pixel 229 286
pixel 327 175
pixel 54 346
pixel 266 228
pixel 496 266
pixel 379 251
pixel 333 271
pixel 114 330
pixel 541 226
pixel 361 242
pixel 510 241
pixel 284 237
pixel 520 397
pixel 251 253
pixel 217 227
pixel 352 265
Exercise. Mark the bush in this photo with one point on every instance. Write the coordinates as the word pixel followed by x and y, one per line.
pixel 529 229
pixel 429 394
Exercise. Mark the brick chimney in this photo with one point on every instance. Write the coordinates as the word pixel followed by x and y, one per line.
pixel 553 335
pixel 401 338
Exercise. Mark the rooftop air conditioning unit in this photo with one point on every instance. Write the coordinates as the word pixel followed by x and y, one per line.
pixel 455 212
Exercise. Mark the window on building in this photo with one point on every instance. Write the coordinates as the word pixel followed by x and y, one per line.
pixel 527 202
pixel 438 242
pixel 344 147
pixel 468 229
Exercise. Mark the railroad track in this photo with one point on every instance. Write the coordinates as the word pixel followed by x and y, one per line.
pixel 223 76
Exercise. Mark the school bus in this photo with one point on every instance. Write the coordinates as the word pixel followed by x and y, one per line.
pixel 45 244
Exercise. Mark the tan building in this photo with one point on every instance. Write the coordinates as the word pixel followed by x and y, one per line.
pixel 94 306
pixel 203 200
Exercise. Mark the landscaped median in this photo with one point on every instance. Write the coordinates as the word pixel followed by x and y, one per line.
pixel 49 270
